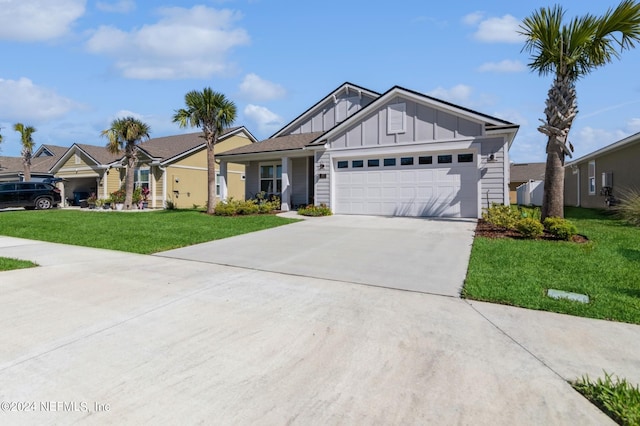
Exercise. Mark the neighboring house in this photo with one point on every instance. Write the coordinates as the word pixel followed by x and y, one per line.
pixel 174 168
pixel 590 180
pixel 401 153
pixel 12 168
pixel 522 173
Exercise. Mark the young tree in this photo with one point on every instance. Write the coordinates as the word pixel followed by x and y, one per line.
pixel 212 112
pixel 571 51
pixel 27 147
pixel 124 135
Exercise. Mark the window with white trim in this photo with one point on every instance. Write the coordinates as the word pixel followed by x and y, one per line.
pixel 271 178
pixel 592 177
pixel 141 178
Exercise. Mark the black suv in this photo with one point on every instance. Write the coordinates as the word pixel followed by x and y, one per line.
pixel 30 195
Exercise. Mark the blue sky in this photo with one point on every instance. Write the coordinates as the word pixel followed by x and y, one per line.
pixel 70 67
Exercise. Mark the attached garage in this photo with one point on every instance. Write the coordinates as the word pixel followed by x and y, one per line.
pixel 443 184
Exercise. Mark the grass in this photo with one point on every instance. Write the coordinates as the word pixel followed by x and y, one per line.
pixel 135 232
pixel 8 264
pixel 607 269
pixel 619 399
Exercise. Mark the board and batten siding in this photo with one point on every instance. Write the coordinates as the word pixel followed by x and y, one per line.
pixel 322 192
pixel 492 173
pixel 327 115
pixel 422 124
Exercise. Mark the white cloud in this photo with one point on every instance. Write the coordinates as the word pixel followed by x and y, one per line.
pixel 589 139
pixel 512 115
pixel 120 6
pixel 36 20
pixel 460 94
pixel 498 30
pixel 472 18
pixel 502 66
pixel 255 88
pixel 634 125
pixel 267 121
pixel 25 102
pixel 184 43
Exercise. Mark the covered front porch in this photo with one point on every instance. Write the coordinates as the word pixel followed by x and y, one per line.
pixel 290 177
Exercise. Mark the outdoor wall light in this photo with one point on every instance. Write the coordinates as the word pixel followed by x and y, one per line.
pixel 492 157
pixel 321 166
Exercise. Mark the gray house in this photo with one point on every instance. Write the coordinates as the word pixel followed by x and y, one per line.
pixel 400 153
pixel 609 171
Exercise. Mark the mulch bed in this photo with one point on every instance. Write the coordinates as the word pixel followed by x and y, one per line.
pixel 487 230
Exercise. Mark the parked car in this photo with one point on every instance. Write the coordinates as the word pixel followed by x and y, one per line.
pixel 30 195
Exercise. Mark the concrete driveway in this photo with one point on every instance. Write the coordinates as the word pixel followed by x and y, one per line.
pixel 416 254
pixel 102 337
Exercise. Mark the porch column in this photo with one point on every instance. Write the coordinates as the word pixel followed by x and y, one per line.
pixel 285 197
pixel 223 180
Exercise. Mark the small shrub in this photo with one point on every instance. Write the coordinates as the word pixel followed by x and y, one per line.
pixel 225 209
pixel 169 205
pixel 247 207
pixel 502 216
pixel 311 210
pixel 532 212
pixel 561 228
pixel 529 227
pixel 628 207
pixel 619 399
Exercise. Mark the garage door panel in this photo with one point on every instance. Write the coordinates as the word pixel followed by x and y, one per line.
pixel 429 191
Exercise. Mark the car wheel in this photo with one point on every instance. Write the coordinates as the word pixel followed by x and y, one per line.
pixel 43 203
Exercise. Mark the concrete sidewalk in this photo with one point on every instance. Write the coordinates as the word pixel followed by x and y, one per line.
pixel 134 339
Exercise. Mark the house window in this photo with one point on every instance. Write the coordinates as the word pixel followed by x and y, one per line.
pixel 357 164
pixel 141 178
pixel 427 159
pixel 406 161
pixel 465 158
pixel 396 118
pixel 343 164
pixel 373 163
pixel 389 162
pixel 592 177
pixel 271 178
pixel 444 159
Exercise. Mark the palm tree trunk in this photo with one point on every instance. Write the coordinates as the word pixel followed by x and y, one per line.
pixel 131 164
pixel 211 178
pixel 27 171
pixel 553 195
pixel 560 112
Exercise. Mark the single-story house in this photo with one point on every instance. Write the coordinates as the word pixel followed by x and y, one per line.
pixel 174 168
pixel 12 168
pixel 524 173
pixel 400 153
pixel 608 171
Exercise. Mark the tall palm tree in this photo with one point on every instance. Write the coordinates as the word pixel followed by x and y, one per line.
pixel 27 147
pixel 571 51
pixel 212 112
pixel 124 135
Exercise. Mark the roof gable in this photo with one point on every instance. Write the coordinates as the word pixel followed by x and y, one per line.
pixel 525 172
pixel 344 90
pixel 490 124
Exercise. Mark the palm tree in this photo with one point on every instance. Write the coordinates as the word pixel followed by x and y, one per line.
pixel 27 147
pixel 124 135
pixel 212 112
pixel 571 51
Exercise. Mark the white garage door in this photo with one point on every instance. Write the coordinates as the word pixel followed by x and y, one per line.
pixel 443 185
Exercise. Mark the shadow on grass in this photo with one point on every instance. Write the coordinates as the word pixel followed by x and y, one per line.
pixel 632 255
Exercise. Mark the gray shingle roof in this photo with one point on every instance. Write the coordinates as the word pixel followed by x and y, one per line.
pixel 524 172
pixel 100 153
pixel 281 143
pixel 171 146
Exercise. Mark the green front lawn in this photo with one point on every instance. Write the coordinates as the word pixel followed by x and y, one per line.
pixel 607 269
pixel 136 232
pixel 7 264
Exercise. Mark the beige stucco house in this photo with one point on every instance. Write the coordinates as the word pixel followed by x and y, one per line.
pixel 590 180
pixel 173 168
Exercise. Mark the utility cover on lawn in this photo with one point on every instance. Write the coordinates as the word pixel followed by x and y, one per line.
pixel 576 297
